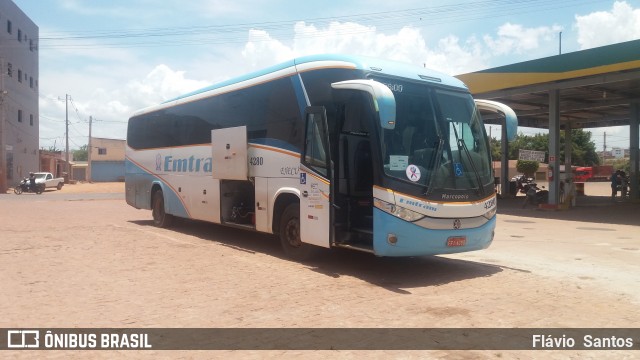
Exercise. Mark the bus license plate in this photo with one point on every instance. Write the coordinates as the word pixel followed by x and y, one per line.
pixel 456 241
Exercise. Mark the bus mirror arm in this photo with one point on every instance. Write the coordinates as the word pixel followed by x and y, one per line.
pixel 383 98
pixel 509 116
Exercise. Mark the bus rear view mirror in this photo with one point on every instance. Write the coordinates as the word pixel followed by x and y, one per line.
pixel 510 118
pixel 383 99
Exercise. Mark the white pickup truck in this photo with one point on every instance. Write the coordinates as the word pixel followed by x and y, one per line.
pixel 48 180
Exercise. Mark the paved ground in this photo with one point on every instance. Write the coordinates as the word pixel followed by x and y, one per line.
pixel 81 257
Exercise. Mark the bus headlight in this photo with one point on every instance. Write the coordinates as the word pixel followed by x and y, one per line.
pixel 490 214
pixel 397 211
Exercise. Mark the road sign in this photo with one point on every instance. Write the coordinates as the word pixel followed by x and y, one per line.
pixel 531 155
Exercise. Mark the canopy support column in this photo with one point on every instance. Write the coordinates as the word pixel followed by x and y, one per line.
pixel 634 129
pixel 554 145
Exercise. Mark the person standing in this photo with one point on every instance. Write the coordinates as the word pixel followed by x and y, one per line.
pixel 624 183
pixel 32 182
pixel 531 195
pixel 615 180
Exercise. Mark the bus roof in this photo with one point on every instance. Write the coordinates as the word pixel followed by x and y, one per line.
pixel 314 62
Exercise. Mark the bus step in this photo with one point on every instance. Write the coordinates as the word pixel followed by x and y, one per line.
pixel 358 247
pixel 367 231
pixel 239 226
pixel 363 222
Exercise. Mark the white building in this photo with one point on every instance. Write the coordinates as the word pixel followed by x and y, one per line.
pixel 19 86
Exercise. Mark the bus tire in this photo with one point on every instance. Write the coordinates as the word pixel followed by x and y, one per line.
pixel 160 217
pixel 290 241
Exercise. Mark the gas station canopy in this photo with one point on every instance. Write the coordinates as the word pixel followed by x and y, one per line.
pixel 591 88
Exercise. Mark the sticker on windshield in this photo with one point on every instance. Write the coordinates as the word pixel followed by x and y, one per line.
pixel 413 173
pixel 398 162
pixel 457 167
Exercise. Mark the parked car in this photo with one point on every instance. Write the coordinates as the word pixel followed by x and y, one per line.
pixel 48 180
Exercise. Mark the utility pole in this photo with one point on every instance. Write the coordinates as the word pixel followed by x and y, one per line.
pixel 89 148
pixel 3 145
pixel 560 46
pixel 604 148
pixel 66 123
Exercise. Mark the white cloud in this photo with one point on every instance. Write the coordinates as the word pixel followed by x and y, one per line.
pixel 406 45
pixel 600 28
pixel 110 104
pixel 162 84
pixel 112 90
pixel 515 38
pixel 452 57
pixel 263 50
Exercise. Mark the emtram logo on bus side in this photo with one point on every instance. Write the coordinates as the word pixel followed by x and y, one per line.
pixel 190 164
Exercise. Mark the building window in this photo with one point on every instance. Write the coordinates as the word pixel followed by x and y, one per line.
pixel 9 70
pixel 31 44
pixel 31 119
pixel 19 115
pixel 19 75
pixel 9 30
pixel 31 82
pixel 19 35
pixel 102 151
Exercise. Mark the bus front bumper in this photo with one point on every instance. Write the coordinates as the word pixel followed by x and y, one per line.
pixel 396 237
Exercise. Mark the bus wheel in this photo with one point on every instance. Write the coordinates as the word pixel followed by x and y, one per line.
pixel 160 217
pixel 293 247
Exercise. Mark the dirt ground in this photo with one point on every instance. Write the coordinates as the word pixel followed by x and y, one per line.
pixel 92 188
pixel 93 261
pixel 86 188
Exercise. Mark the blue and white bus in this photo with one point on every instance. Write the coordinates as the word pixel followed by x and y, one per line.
pixel 324 151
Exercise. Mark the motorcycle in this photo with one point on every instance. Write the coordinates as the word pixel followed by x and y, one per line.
pixel 540 194
pixel 25 186
pixel 623 187
pixel 522 183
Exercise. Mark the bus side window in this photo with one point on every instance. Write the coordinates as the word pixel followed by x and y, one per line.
pixel 315 152
pixel 355 117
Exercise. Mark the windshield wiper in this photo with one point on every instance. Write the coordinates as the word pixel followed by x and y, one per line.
pixel 463 146
pixel 436 165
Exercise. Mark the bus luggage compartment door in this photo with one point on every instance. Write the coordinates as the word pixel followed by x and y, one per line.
pixel 229 153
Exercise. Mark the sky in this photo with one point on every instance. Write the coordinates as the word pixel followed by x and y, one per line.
pixel 113 57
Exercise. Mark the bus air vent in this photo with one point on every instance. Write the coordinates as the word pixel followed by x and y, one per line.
pixel 429 78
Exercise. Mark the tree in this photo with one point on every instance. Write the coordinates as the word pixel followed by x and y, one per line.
pixel 537 142
pixel 81 154
pixel 527 167
pixel 496 150
pixel 50 148
pixel 583 149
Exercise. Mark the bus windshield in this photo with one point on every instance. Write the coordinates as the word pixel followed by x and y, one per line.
pixel 439 141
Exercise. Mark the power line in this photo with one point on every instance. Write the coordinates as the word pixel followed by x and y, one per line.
pixel 76 108
pixel 236 33
pixel 111 121
pixel 51 119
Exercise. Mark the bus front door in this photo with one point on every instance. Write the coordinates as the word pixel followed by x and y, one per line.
pixel 315 180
